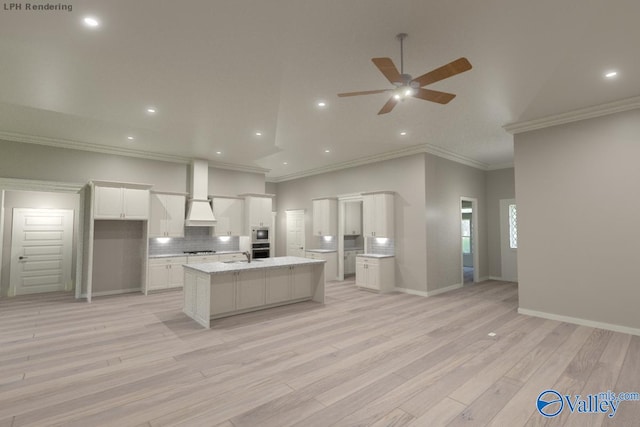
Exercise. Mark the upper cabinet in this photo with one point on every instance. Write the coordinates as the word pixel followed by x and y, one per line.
pixel 325 217
pixel 377 214
pixel 167 215
pixel 117 200
pixel 257 210
pixel 353 218
pixel 229 213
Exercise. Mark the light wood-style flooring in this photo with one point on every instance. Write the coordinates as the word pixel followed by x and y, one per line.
pixel 362 359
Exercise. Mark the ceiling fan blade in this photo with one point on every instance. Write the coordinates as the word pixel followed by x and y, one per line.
pixel 366 92
pixel 458 66
pixel 386 67
pixel 434 96
pixel 388 106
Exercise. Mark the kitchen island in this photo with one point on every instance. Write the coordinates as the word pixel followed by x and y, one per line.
pixel 219 289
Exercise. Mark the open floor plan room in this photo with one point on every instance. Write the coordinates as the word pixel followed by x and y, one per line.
pixel 360 359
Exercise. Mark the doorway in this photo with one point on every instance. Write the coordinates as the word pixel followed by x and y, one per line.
pixel 41 251
pixel 295 233
pixel 468 240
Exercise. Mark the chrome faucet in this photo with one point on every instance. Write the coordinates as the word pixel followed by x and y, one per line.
pixel 248 255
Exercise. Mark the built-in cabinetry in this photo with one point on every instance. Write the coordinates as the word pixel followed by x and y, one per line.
pixel 377 214
pixel 331 264
pixel 117 200
pixel 166 218
pixel 165 273
pixel 353 218
pixel 325 217
pixel 257 210
pixel 210 294
pixel 115 238
pixel 375 274
pixel 350 260
pixel 229 213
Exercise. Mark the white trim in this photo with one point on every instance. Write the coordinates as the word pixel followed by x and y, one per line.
pixel 1 228
pixel 483 279
pixel 417 149
pixel 498 278
pixel 116 292
pixel 120 151
pixel 579 321
pixel 574 116
pixel 474 239
pixel 428 293
pixel 16 184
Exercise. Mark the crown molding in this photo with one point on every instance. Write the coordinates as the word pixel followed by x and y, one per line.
pixel 499 166
pixel 574 116
pixel 416 149
pixel 121 151
pixel 18 184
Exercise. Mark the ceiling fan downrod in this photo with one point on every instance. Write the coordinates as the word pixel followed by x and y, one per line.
pixel 401 37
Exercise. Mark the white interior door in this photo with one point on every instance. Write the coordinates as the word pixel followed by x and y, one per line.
pixel 41 251
pixel 508 243
pixel 295 233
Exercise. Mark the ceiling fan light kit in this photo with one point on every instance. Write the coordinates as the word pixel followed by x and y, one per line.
pixel 406 86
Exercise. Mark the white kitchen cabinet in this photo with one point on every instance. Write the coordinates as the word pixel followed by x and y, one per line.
pixel 350 260
pixel 250 289
pixel 165 273
pixel 331 264
pixel 375 274
pixel 325 217
pixel 289 283
pixel 232 257
pixel 377 214
pixel 229 213
pixel 113 200
pixel 166 218
pixel 200 259
pixel 257 211
pixel 353 219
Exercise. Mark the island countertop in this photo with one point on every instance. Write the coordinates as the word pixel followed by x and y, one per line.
pixel 261 263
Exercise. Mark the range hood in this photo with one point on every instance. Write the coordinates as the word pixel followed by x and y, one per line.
pixel 199 212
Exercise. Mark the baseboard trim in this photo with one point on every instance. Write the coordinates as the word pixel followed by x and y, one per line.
pixel 429 293
pixel 116 292
pixel 579 321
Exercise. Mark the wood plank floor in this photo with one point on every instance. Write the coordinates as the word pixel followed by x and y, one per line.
pixel 362 359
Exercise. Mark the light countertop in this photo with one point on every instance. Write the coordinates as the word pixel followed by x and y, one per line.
pixel 263 263
pixel 322 251
pixel 375 256
pixel 183 254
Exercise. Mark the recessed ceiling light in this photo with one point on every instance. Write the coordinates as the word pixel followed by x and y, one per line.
pixel 90 21
pixel 285 163
pixel 258 133
pixel 611 74
pixel 151 110
pixel 403 133
pixel 322 104
pixel 327 151
pixel 218 152
pixel 130 138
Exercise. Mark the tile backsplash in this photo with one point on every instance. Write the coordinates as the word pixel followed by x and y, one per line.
pixel 380 245
pixel 195 239
pixel 325 242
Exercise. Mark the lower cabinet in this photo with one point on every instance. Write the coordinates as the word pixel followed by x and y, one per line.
pixel 375 274
pixel 289 283
pixel 331 264
pixel 350 260
pixel 250 289
pixel 165 273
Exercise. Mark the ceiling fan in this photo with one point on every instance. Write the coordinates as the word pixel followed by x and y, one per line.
pixel 406 86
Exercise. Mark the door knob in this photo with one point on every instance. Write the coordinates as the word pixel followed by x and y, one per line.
pixel 22 257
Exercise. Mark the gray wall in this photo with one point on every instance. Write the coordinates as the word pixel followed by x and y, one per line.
pixel 577 187
pixel 36 200
pixel 446 182
pixel 405 176
pixel 500 185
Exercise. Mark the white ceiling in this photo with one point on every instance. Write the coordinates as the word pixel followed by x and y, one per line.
pixel 218 71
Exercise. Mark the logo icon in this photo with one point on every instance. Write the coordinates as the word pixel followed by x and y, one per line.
pixel 549 403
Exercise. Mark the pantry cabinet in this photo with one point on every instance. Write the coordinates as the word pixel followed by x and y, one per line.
pixel 113 200
pixel 375 274
pixel 257 211
pixel 325 217
pixel 229 214
pixel 378 214
pixel 166 218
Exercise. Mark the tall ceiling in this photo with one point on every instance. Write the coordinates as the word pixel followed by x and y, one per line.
pixel 219 71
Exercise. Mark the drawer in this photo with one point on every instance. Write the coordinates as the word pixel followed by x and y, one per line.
pixel 202 259
pixel 168 260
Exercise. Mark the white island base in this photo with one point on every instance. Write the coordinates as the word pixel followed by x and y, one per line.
pixel 218 289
